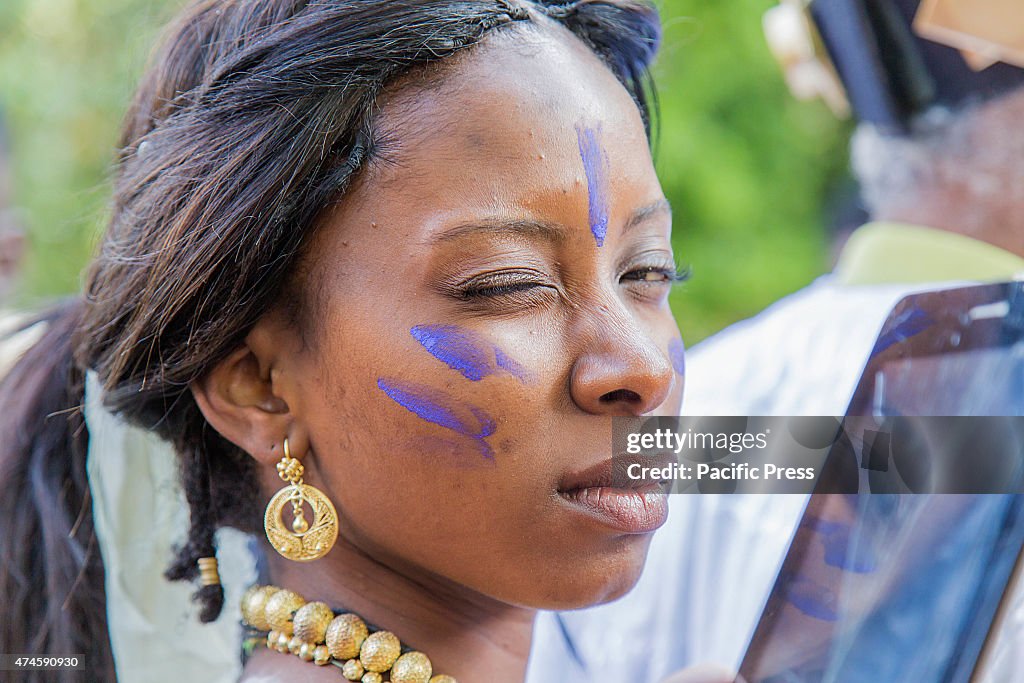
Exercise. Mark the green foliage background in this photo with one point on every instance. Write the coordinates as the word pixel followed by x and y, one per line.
pixel 745 167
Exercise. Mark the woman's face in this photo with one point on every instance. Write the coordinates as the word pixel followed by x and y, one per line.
pixel 487 296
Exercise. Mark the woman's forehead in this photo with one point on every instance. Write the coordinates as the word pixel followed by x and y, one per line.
pixel 506 122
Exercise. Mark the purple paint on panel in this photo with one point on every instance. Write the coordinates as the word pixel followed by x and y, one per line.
pixel 677 354
pixel 595 165
pixel 812 599
pixel 466 352
pixel 441 409
pixel 841 551
pixel 911 323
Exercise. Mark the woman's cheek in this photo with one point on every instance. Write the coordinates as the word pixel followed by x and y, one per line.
pixel 458 424
pixel 442 409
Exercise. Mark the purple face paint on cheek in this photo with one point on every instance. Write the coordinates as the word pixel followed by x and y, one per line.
pixel 595 165
pixel 677 355
pixel 441 409
pixel 510 366
pixel 455 348
pixel 471 355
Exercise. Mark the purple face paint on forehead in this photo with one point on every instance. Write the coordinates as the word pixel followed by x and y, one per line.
pixel 441 409
pixel 595 165
pixel 466 352
pixel 677 355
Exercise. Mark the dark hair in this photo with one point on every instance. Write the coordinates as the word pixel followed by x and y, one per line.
pixel 253 117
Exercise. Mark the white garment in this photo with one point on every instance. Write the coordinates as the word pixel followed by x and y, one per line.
pixel 15 339
pixel 711 566
pixel 140 513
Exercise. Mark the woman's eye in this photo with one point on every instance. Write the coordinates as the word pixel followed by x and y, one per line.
pixel 657 275
pixel 499 290
pixel 503 284
pixel 652 283
pixel 649 275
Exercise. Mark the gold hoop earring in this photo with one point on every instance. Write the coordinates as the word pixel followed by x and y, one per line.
pixel 303 542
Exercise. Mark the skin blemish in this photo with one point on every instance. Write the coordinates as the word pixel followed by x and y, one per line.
pixel 595 165
pixel 466 352
pixel 452 451
pixel 441 409
pixel 677 355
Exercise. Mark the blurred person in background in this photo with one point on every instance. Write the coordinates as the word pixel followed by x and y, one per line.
pixel 938 153
pixel 12 238
pixel 12 250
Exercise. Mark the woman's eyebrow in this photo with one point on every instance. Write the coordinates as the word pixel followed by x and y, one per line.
pixel 534 228
pixel 645 213
pixel 552 232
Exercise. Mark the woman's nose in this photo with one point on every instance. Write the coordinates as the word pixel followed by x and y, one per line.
pixel 620 371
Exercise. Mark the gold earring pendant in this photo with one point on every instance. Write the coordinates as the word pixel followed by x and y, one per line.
pixel 304 541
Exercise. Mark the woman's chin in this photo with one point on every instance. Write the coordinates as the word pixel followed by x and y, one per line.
pixel 591 580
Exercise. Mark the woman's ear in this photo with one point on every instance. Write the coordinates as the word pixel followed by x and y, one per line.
pixel 237 398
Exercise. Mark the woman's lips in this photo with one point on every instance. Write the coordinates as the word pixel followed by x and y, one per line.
pixel 602 491
pixel 633 511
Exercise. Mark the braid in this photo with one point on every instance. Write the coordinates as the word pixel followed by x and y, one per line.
pixel 195 472
pixel 220 485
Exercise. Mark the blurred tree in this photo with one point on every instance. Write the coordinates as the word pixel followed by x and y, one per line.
pixel 746 167
pixel 67 70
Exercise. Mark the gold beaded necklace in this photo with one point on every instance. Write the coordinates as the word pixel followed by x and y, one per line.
pixel 285 622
